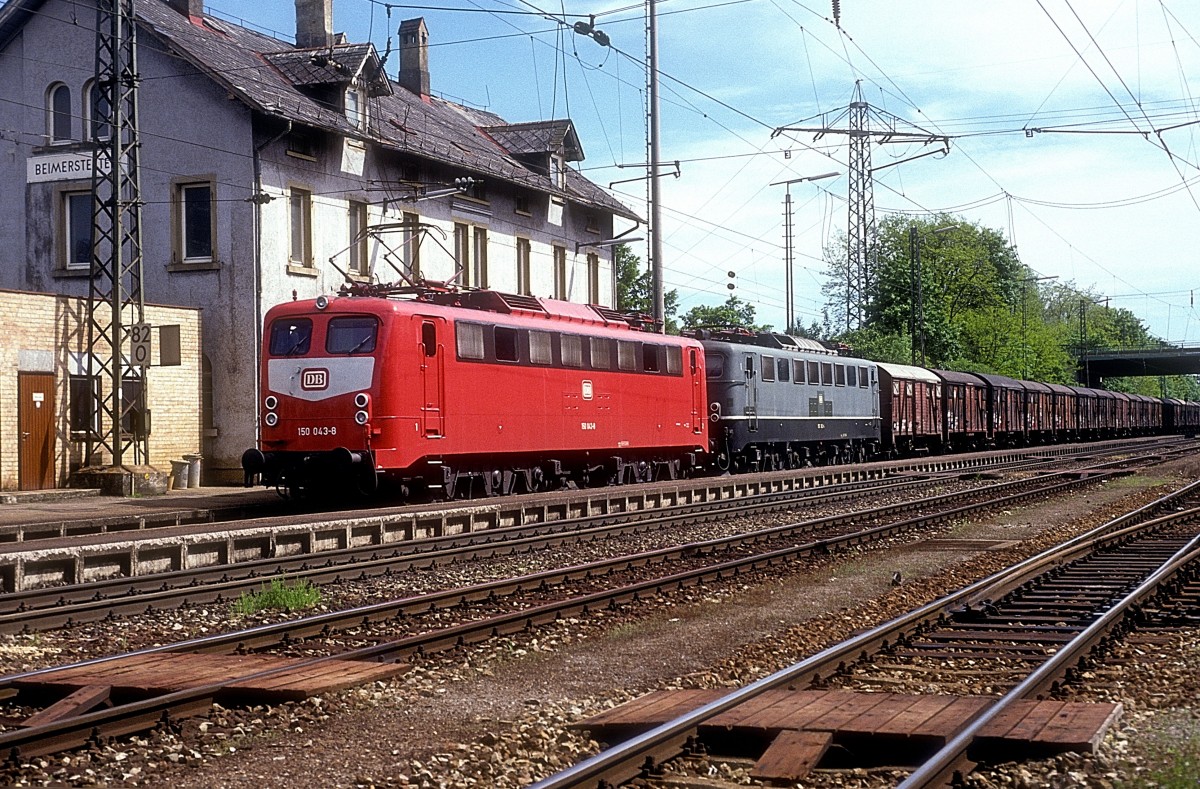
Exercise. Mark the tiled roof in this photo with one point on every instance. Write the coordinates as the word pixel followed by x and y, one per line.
pixel 336 65
pixel 539 137
pixel 261 71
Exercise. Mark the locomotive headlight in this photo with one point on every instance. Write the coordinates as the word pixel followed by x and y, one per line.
pixel 361 417
pixel 322 302
pixel 271 419
pixel 271 402
pixel 361 399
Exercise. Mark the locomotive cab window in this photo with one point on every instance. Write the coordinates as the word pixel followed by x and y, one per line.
pixel 714 365
pixel 291 337
pixel 351 335
pixel 429 338
pixel 768 368
pixel 862 378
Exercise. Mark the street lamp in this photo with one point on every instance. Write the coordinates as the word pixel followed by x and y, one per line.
pixel 1025 320
pixel 916 293
pixel 789 276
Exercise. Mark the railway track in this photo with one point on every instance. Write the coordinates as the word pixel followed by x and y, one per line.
pixel 1028 629
pixel 537 599
pixel 41 609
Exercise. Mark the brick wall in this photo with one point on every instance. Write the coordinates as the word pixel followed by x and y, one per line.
pixel 46 333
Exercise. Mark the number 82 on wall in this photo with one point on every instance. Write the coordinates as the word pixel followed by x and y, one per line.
pixel 139 344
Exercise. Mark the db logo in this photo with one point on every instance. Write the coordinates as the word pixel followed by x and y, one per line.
pixel 314 379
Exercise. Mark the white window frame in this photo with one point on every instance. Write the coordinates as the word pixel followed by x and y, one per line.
pixel 524 255
pixel 357 221
pixel 56 115
pixel 180 216
pixel 67 261
pixel 300 226
pixel 560 272
pixel 356 108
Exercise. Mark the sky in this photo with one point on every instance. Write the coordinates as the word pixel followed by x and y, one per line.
pixel 1073 127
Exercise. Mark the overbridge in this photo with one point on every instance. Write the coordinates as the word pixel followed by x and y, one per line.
pixel 1095 365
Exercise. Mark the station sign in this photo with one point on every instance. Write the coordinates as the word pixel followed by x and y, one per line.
pixel 65 166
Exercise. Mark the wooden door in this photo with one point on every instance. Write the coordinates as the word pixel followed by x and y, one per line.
pixel 35 417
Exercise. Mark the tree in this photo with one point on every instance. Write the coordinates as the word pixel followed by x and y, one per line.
pixel 734 312
pixel 635 288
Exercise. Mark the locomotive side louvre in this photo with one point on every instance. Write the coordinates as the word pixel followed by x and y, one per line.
pixel 778 407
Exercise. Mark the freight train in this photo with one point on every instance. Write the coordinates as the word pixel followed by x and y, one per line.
pixel 477 393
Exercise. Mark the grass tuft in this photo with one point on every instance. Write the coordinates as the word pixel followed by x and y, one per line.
pixel 279 596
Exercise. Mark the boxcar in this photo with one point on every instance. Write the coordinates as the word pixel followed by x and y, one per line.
pixel 1038 412
pixel 1065 410
pixel 910 409
pixel 1006 409
pixel 781 402
pixel 965 408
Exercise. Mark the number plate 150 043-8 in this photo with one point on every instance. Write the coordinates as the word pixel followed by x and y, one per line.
pixel 317 430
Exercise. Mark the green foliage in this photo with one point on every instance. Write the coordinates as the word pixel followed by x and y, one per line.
pixel 635 289
pixel 961 287
pixel 279 596
pixel 734 312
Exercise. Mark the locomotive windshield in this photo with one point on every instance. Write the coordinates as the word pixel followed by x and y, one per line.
pixel 351 335
pixel 290 336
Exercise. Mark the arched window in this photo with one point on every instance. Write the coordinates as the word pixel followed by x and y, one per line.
pixel 58 113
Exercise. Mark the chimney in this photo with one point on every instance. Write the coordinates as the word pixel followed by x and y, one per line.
pixel 414 56
pixel 188 8
pixel 314 23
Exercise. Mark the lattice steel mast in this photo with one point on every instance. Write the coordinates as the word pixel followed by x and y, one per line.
pixel 860 232
pixel 865 124
pixel 115 303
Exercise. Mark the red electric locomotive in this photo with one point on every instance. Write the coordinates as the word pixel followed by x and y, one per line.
pixel 471 393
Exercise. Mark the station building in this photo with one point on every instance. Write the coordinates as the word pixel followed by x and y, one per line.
pixel 273 170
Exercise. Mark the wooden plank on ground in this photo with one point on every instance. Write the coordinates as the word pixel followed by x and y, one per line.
pixel 750 714
pixel 891 705
pixel 1079 727
pixel 799 709
pixel 792 755
pixel 850 705
pixel 83 700
pixel 1034 721
pixel 909 721
pixel 950 719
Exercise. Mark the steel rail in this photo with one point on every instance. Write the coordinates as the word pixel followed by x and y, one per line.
pixel 95 607
pixel 953 757
pixel 632 521
pixel 637 755
pixel 125 718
